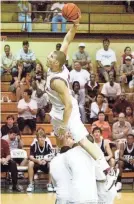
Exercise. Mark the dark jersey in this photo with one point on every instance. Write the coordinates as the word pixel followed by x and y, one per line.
pixel 129 154
pixel 39 152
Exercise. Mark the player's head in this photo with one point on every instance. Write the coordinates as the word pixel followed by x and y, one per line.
pixel 97 132
pixel 130 139
pixel 56 60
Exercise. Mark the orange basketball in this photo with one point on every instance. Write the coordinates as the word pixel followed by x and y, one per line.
pixel 70 11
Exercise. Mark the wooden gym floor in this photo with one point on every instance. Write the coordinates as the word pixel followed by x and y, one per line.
pixel 49 198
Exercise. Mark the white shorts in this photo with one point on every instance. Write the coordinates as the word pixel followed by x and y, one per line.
pixel 75 126
pixel 60 201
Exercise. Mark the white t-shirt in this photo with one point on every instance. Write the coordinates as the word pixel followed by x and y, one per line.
pixel 27 114
pixel 57 5
pixel 82 168
pixel 82 77
pixel 61 177
pixel 95 109
pixel 103 55
pixel 112 91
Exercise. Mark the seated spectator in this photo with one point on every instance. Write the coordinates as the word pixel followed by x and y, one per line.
pixel 17 83
pixel 127 71
pixel 126 161
pixel 104 146
pixel 127 53
pixel 103 125
pixel 97 106
pixel 8 165
pixel 8 62
pixel 121 129
pixel 57 17
pixel 80 97
pixel 25 15
pixel 27 110
pixel 79 74
pixel 9 125
pixel 129 114
pixel 121 104
pixel 39 160
pixel 91 91
pixel 41 104
pixel 27 57
pixel 83 58
pixel 111 90
pixel 38 78
pixel 103 55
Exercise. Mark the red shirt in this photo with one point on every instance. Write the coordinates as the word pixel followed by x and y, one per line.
pixel 5 151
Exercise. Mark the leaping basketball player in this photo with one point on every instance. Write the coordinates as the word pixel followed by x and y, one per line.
pixel 65 112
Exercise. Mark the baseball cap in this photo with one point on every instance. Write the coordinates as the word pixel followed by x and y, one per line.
pixel 106 63
pixel 82 45
pixel 128 58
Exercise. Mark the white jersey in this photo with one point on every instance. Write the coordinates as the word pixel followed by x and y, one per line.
pixel 57 105
pixel 82 169
pixel 61 177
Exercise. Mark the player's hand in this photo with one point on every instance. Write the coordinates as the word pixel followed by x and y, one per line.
pixel 131 161
pixel 77 21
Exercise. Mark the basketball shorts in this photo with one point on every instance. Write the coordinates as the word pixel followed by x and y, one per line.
pixel 60 201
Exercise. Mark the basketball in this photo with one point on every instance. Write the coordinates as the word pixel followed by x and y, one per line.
pixel 70 11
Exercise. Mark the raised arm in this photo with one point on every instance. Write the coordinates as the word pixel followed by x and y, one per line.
pixel 70 36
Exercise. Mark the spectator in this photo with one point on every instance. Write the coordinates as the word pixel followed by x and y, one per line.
pixel 9 125
pixel 27 57
pixel 8 61
pixel 83 58
pixel 8 165
pixel 103 55
pixel 126 161
pixel 27 110
pixel 129 114
pixel 131 85
pixel 91 90
pixel 97 106
pixel 121 104
pixel 104 146
pixel 25 15
pixel 111 90
pixel 38 79
pixel 103 125
pixel 80 97
pixel 127 53
pixel 57 17
pixel 121 129
pixel 127 71
pixel 39 160
pixel 41 104
pixel 79 74
pixel 17 83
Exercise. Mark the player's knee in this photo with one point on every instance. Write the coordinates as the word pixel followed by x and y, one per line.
pixel 90 138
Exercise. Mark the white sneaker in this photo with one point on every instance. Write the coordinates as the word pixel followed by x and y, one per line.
pixel 111 178
pixel 118 186
pixel 30 188
pixel 54 189
pixel 50 187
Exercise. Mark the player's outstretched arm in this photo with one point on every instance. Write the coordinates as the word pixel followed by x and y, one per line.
pixel 60 87
pixel 70 35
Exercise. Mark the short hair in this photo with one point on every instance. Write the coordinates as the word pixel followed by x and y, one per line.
pixel 75 82
pixel 106 39
pixel 10 116
pixel 127 48
pixel 64 149
pixel 95 129
pixel 130 135
pixel 58 45
pixel 25 42
pixel 28 91
pixel 40 132
pixel 61 57
pixel 12 130
pixel 101 112
pixel 7 46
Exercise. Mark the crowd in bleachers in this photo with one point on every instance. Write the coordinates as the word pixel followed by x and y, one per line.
pixel 106 108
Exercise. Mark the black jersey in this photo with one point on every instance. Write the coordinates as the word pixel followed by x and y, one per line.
pixel 39 152
pixel 129 153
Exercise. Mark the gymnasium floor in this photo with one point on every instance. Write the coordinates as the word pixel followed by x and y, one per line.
pixel 49 198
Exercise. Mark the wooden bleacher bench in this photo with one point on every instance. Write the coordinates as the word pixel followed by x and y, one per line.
pixel 129 175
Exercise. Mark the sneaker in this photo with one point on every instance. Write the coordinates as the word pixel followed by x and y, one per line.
pixel 54 189
pixel 118 186
pixel 111 178
pixel 50 187
pixel 30 188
